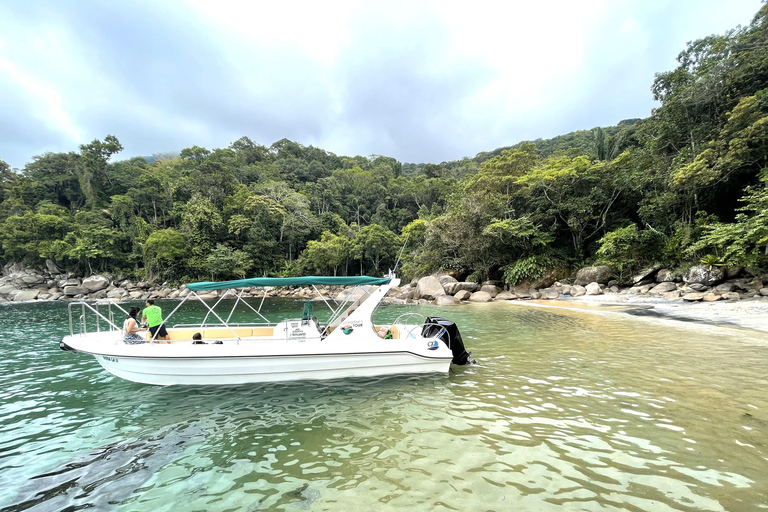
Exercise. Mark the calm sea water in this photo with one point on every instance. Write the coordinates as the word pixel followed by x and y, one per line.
pixel 565 411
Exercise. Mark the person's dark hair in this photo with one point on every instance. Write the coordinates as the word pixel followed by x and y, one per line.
pixel 134 311
pixel 197 336
pixel 150 302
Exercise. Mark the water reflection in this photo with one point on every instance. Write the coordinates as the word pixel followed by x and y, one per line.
pixel 566 410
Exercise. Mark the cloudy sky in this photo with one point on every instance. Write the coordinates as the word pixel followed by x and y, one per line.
pixel 421 81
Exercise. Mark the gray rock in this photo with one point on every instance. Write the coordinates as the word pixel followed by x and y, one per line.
pixel 693 296
pixel 731 296
pixel 646 274
pixel 599 274
pixel 52 268
pixel 565 289
pixel 408 293
pixel 115 294
pixel 72 281
pixel 506 295
pixel 446 279
pixel 594 289
pixel 32 279
pixel 24 295
pixel 480 297
pixel 578 290
pixel 764 292
pixel 7 289
pixel 549 293
pixel 672 295
pixel 712 297
pixel 535 294
pixel 523 294
pixel 447 300
pixel 665 275
pixel 428 288
pixel 491 289
pixel 703 275
pixel 726 287
pixel 454 288
pixel 733 272
pixel 95 283
pixel 663 287
pixel 71 290
pixel 698 287
pixel 463 295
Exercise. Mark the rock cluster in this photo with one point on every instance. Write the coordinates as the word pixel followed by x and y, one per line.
pixel 20 284
pixel 697 284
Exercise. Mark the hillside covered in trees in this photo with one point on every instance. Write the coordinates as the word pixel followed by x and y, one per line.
pixel 686 185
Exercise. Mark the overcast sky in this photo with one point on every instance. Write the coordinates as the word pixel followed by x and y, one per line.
pixel 418 81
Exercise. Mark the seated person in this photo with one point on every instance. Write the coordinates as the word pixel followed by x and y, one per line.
pixel 131 328
pixel 384 332
pixel 197 339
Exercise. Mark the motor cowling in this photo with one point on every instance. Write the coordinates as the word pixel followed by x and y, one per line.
pixel 448 333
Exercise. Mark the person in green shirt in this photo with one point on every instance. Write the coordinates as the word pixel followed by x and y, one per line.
pixel 153 315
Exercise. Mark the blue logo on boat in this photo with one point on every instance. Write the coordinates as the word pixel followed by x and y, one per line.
pixel 347 329
pixel 433 345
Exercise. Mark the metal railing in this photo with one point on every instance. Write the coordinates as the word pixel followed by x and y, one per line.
pixel 96 316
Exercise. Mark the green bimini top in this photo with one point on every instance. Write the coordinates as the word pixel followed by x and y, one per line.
pixel 289 281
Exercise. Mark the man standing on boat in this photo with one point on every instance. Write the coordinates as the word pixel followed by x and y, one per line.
pixel 153 315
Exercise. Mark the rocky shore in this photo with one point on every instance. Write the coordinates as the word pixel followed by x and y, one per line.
pixel 698 284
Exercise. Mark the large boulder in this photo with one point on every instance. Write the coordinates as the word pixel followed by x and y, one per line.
pixel 693 296
pixel 447 300
pixel 594 289
pixel 646 274
pixel 548 279
pixel 577 290
pixel 508 295
pixel 71 291
pixel 703 275
pixel 549 293
pixel 492 289
pixel 599 274
pixel 95 283
pixel 456 287
pixel 464 294
pixel 24 295
pixel 665 275
pixel 428 288
pixel 480 297
pixel 664 287
pixel 445 279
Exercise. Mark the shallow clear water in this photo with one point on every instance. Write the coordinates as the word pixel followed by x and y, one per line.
pixel 566 410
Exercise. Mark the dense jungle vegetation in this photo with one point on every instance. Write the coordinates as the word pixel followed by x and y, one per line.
pixel 688 184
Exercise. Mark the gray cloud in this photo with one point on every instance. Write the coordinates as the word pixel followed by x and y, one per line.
pixel 164 76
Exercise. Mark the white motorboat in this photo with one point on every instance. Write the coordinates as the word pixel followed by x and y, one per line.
pixel 349 345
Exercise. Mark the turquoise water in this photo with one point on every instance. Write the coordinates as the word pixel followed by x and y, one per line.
pixel 565 411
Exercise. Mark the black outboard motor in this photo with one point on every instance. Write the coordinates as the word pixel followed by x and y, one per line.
pixel 434 326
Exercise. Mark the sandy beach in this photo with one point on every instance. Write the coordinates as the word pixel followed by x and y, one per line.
pixel 746 314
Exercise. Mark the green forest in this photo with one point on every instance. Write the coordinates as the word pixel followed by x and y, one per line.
pixel 686 185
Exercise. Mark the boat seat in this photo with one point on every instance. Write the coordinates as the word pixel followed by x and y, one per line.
pixel 243 332
pixel 185 335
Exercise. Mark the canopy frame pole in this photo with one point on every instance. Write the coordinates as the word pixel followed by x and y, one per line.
pixel 154 336
pixel 238 297
pixel 211 311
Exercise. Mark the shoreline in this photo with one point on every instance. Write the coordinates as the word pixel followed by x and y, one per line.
pixel 743 314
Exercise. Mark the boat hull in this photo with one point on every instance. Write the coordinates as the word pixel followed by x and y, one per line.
pixel 232 363
pixel 245 369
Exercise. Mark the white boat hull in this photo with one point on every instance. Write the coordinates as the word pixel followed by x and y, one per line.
pixel 262 361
